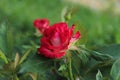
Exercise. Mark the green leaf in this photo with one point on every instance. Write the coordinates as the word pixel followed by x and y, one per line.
pixel 80 58
pixel 3 57
pixel 10 43
pixel 113 50
pixel 33 75
pixel 15 77
pixel 100 57
pixel 115 70
pixel 41 65
pixel 25 55
pixel 62 67
pixel 3 31
pixel 99 76
pixel 6 40
pixel 97 55
pixel 16 61
pixel 96 61
pixel 82 54
pixel 37 64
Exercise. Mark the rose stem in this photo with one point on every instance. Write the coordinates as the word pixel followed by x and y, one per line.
pixel 70 68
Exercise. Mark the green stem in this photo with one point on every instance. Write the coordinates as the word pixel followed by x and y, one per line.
pixel 70 69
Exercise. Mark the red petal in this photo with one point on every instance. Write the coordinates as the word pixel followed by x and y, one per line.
pixel 77 35
pixel 49 54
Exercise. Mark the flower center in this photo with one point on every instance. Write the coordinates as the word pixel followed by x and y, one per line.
pixel 56 39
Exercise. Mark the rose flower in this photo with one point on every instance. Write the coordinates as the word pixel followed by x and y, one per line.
pixel 56 39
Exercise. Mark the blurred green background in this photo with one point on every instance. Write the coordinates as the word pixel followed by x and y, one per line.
pixel 98 28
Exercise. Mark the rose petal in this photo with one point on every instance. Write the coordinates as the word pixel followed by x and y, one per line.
pixel 77 35
pixel 49 54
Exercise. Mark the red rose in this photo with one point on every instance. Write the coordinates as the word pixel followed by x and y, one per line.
pixel 56 40
pixel 41 24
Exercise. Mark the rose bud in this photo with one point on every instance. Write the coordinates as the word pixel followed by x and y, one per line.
pixel 41 24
